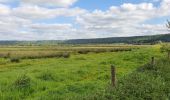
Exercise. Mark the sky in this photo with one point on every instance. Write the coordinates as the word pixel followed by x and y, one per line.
pixel 79 19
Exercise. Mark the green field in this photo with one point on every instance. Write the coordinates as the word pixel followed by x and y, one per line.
pixel 51 77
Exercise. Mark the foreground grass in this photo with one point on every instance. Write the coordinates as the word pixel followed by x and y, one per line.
pixel 66 78
pixel 146 83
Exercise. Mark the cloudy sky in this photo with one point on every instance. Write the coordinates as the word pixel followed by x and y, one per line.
pixel 72 19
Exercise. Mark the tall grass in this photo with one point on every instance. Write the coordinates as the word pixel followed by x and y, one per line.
pixel 79 76
pixel 22 82
pixel 146 83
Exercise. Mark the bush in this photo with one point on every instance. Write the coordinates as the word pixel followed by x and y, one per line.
pixel 22 82
pixel 83 51
pixel 7 55
pixel 166 48
pixel 100 50
pixel 16 60
pixel 66 55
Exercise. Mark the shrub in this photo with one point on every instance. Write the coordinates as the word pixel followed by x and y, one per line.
pixel 120 49
pixel 112 50
pixel 66 55
pixel 166 48
pixel 7 55
pixel 100 50
pixel 22 82
pixel 16 60
pixel 83 51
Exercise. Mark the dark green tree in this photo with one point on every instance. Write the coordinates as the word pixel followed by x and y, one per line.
pixel 168 24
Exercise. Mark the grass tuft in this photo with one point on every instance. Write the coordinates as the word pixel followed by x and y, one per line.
pixel 47 76
pixel 16 60
pixel 22 82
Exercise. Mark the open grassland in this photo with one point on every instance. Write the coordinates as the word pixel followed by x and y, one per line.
pixel 33 52
pixel 149 82
pixel 65 78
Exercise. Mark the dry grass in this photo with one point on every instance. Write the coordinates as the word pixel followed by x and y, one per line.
pixel 33 52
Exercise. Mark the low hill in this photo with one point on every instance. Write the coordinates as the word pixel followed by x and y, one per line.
pixel 129 40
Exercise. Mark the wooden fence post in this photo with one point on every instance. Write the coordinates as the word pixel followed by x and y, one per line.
pixel 169 55
pixel 113 75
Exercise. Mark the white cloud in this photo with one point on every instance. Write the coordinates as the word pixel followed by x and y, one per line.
pixel 36 12
pixel 164 8
pixel 4 10
pixel 142 6
pixel 51 26
pixel 6 1
pixel 125 20
pixel 58 3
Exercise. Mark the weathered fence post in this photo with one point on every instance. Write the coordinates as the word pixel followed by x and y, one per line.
pixel 113 75
pixel 152 61
pixel 169 55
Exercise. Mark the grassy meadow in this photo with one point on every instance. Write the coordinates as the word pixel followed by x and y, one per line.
pixel 68 72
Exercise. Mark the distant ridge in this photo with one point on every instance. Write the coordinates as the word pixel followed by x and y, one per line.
pixel 128 40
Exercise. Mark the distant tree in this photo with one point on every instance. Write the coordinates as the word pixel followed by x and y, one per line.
pixel 168 24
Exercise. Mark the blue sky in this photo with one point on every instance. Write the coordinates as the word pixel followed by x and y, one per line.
pixel 76 19
pixel 105 4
